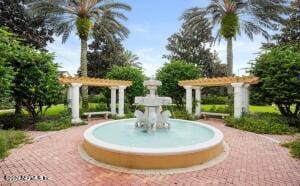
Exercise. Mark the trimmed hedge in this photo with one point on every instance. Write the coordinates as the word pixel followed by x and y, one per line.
pixel 263 123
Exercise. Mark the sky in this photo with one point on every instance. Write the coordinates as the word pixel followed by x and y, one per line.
pixel 150 24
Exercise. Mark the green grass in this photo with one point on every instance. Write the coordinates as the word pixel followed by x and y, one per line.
pixel 55 110
pixel 294 148
pixel 52 111
pixel 253 109
pixel 10 139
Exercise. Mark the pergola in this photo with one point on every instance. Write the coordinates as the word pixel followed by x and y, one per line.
pixel 240 85
pixel 76 82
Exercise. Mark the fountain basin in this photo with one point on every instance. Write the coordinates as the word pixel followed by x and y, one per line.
pixel 186 144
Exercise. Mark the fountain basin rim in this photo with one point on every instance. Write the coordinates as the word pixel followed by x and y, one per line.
pixel 214 141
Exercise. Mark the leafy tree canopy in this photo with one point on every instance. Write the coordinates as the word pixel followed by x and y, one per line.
pixel 6 73
pixel 35 77
pixel 32 29
pixel 170 74
pixel 290 28
pixel 132 74
pixel 191 46
pixel 279 70
pixel 103 56
pixel 89 18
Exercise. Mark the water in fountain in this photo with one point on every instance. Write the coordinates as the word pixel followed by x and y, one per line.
pixel 152 118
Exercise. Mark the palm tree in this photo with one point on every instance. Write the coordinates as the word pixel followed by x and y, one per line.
pixel 87 16
pixel 236 16
pixel 131 59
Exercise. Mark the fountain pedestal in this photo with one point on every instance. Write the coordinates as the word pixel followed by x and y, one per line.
pixel 152 118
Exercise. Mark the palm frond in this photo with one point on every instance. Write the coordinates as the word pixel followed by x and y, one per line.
pixel 62 15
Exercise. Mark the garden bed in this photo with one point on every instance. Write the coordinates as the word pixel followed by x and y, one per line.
pixel 263 123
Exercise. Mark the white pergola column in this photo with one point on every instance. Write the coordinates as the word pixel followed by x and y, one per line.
pixel 246 98
pixel 69 96
pixel 198 100
pixel 113 100
pixel 75 103
pixel 121 100
pixel 238 99
pixel 189 99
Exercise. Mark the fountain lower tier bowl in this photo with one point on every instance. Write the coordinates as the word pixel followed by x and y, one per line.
pixel 186 144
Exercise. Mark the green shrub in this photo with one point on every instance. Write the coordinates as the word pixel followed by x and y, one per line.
pixel 214 100
pixel 98 107
pixel 130 74
pixel 129 115
pixel 3 147
pixel 183 114
pixel 263 123
pixel 294 148
pixel 170 74
pixel 54 124
pixel 10 121
pixel 97 98
pixel 218 109
pixel 10 139
pixel 6 103
pixel 126 116
pixel 278 71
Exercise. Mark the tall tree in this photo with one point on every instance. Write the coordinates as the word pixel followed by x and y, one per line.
pixel 218 68
pixel 192 46
pixel 84 15
pixel 132 74
pixel 102 57
pixel 278 70
pixel 233 17
pixel 106 50
pixel 170 74
pixel 290 29
pixel 290 32
pixel 33 29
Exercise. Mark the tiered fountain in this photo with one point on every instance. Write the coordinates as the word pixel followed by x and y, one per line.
pixel 152 118
pixel 184 144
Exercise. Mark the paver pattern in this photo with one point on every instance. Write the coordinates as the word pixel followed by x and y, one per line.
pixel 252 160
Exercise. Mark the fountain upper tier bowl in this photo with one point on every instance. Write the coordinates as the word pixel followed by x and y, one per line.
pixel 185 144
pixel 153 101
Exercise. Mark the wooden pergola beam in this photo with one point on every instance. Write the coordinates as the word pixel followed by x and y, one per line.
pixel 219 81
pixel 94 81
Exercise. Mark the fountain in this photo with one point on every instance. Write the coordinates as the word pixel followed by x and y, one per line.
pixel 174 144
pixel 152 118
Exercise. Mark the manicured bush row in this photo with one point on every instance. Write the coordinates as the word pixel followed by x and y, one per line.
pixel 263 123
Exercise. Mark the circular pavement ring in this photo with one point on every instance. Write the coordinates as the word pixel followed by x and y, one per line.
pixel 202 166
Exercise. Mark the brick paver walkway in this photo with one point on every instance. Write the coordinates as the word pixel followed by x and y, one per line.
pixel 252 160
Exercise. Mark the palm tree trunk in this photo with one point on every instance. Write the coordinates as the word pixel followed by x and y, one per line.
pixel 83 66
pixel 229 63
pixel 229 57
